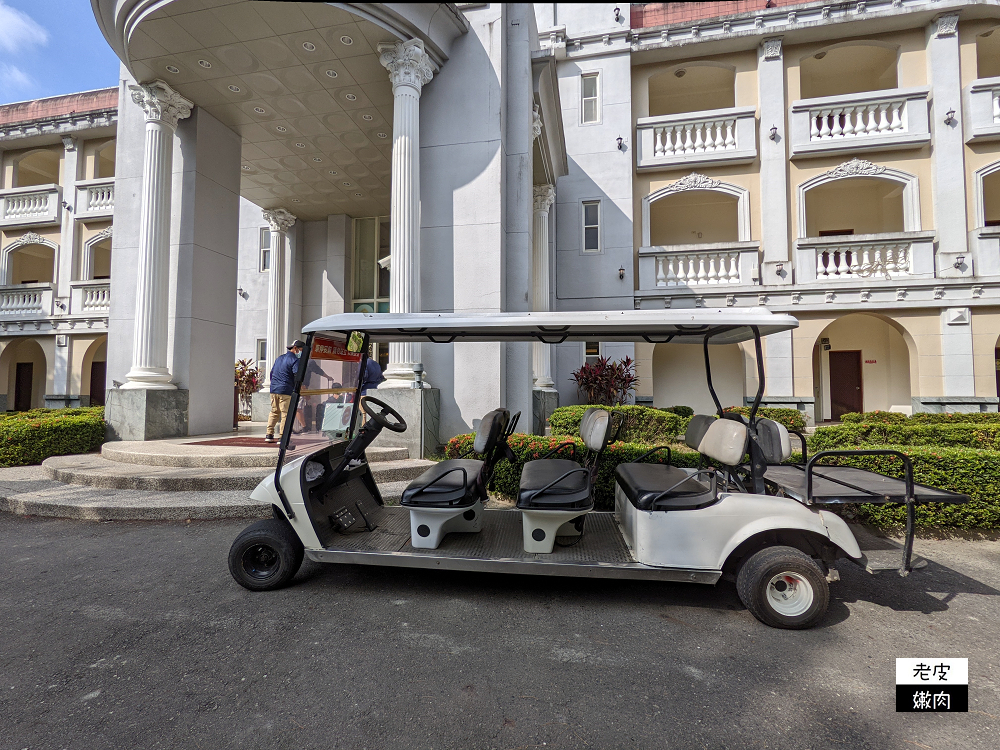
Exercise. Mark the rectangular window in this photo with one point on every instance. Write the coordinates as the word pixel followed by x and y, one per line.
pixel 592 351
pixel 265 249
pixel 370 290
pixel 590 104
pixel 261 353
pixel 591 226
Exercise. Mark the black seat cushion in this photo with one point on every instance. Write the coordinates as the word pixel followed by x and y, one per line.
pixel 452 490
pixel 641 483
pixel 572 493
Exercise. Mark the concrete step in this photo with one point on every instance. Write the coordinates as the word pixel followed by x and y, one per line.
pixel 180 454
pixel 93 470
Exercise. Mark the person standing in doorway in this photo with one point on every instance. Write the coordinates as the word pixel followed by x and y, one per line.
pixel 282 382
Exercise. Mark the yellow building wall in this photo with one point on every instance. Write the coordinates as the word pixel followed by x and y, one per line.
pixel 985 340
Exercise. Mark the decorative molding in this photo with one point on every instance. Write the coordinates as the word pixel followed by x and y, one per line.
pixel 796 297
pixel 544 196
pixel 947 25
pixel 977 292
pixel 69 143
pixel 408 64
pixel 278 219
pixel 865 295
pixel 856 168
pixel 694 181
pixel 29 238
pixel 900 295
pixel 772 49
pixel 761 300
pixel 830 297
pixel 730 300
pixel 536 123
pixel 161 103
pixel 939 292
pixel 104 234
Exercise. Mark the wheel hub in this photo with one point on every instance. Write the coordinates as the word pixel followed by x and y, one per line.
pixel 789 594
pixel 260 561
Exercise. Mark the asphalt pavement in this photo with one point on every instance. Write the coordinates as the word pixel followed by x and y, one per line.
pixel 133 635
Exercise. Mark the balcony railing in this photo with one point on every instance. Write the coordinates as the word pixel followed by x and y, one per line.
pixel 38 204
pixel 982 110
pixel 95 198
pixel 883 120
pixel 871 257
pixel 714 136
pixel 90 297
pixel 722 263
pixel 25 301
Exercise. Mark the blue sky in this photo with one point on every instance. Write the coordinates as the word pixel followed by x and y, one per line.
pixel 50 47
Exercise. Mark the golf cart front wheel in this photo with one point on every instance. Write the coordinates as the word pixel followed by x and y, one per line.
pixel 783 587
pixel 266 556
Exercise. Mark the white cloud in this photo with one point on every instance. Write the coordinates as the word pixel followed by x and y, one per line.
pixel 19 31
pixel 14 82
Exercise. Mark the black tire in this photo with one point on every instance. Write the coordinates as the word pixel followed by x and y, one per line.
pixel 783 587
pixel 266 555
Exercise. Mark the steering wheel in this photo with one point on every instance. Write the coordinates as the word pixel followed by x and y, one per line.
pixel 379 417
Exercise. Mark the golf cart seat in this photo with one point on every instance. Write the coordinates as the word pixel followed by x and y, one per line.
pixel 450 495
pixel 774 441
pixel 555 492
pixel 663 487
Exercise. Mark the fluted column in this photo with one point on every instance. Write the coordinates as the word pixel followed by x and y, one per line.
pixel 409 69
pixel 280 221
pixel 163 108
pixel 544 195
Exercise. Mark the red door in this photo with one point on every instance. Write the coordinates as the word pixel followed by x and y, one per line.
pixel 846 392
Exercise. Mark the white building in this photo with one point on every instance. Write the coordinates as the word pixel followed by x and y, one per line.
pixel 836 161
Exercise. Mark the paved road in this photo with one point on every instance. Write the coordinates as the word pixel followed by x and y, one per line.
pixel 133 635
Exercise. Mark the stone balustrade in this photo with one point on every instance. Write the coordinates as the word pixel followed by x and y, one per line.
pixel 707 264
pixel 896 118
pixel 721 136
pixel 25 300
pixel 981 101
pixel 871 258
pixel 95 198
pixel 34 205
pixel 90 297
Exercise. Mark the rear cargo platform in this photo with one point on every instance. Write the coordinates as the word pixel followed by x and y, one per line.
pixel 836 485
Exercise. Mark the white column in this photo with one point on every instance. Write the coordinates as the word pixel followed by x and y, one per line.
pixel 409 69
pixel 280 222
pixel 63 271
pixel 773 163
pixel 544 195
pixel 163 108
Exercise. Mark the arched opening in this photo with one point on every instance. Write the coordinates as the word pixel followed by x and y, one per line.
pixel 848 69
pixel 692 87
pixel 856 205
pixel 104 160
pixel 100 260
pixel 991 199
pixel 23 362
pixel 861 362
pixel 31 264
pixel 679 376
pixel 988 54
pixel 694 216
pixel 37 168
pixel 94 372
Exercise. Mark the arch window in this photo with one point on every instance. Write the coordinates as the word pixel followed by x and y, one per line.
pixel 688 210
pixel 37 168
pixel 988 54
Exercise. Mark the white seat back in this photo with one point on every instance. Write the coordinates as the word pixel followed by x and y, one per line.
pixel 772 437
pixel 725 441
pixel 594 428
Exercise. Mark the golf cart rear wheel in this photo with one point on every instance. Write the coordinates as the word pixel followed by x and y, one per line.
pixel 783 587
pixel 266 556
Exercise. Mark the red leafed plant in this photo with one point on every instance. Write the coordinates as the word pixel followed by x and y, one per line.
pixel 249 379
pixel 605 382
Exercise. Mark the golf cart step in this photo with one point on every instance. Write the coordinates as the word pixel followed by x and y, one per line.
pixel 187 453
pixel 94 471
pixel 889 559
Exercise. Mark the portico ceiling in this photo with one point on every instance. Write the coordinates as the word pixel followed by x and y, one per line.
pixel 300 82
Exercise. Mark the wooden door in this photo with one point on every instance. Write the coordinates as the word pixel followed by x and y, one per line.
pixel 846 391
pixel 22 386
pixel 98 374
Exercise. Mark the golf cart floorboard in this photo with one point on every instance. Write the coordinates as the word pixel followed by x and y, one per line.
pixel 499 548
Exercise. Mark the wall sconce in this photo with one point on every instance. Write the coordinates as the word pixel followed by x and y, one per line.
pixel 618 14
pixel 959 261
pixel 779 268
pixel 243 294
pixel 621 273
pixel 950 117
pixel 621 143
pixel 774 133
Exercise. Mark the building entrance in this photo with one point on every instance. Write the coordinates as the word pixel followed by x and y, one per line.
pixel 22 385
pixel 846 387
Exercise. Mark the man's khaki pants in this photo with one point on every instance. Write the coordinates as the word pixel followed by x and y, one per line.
pixel 279 412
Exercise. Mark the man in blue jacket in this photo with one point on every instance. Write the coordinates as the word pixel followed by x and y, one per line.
pixel 282 382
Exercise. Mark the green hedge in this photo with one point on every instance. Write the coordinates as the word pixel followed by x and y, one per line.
pixel 680 410
pixel 871 434
pixel 791 418
pixel 885 417
pixel 32 436
pixel 507 476
pixel 964 470
pixel 642 424
pixel 989 417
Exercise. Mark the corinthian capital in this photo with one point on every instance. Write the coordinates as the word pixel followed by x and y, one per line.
pixel 407 63
pixel 279 219
pixel 160 102
pixel 544 196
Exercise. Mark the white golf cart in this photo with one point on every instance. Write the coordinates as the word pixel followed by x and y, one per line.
pixel 743 513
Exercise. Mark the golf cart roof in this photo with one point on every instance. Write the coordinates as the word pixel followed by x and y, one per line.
pixel 728 326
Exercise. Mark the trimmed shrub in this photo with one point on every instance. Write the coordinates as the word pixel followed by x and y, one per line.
pixel 989 417
pixel 885 417
pixel 642 424
pixel 872 434
pixel 32 436
pixel 680 411
pixel 507 476
pixel 791 418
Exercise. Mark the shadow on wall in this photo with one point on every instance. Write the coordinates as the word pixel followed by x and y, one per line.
pixel 679 376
